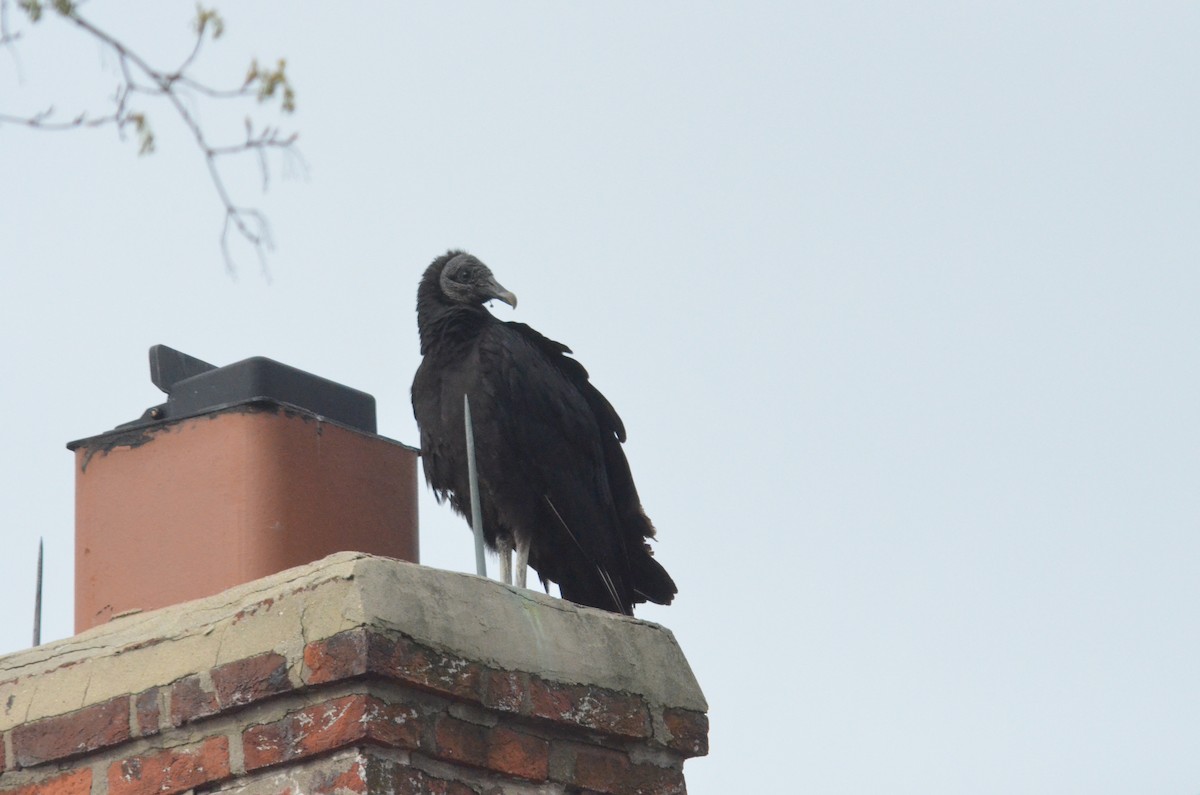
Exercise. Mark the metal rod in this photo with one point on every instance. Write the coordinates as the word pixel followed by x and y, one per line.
pixel 37 601
pixel 473 479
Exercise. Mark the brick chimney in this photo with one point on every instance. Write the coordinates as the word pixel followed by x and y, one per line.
pixel 348 674
pixel 355 674
pixel 245 471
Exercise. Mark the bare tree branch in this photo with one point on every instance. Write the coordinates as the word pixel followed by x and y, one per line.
pixel 41 120
pixel 140 79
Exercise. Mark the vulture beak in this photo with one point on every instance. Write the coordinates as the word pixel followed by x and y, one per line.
pixel 499 293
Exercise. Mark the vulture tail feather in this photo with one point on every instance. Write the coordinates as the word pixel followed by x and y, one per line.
pixel 652 580
pixel 604 578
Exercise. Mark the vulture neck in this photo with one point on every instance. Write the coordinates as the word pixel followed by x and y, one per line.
pixel 446 327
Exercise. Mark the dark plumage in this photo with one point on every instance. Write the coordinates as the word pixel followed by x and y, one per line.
pixel 548 444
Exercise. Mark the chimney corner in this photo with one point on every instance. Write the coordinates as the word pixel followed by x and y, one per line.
pixel 356 674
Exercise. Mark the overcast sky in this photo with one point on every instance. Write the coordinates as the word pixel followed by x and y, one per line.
pixel 899 308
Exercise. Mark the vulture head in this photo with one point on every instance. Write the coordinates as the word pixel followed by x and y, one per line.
pixel 466 280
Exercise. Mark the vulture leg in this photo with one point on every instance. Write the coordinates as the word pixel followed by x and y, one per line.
pixel 522 559
pixel 504 546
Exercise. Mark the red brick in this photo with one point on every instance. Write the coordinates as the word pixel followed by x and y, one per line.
pixel 653 780
pixel 77 782
pixel 329 725
pixel 338 657
pixel 145 705
pixel 357 652
pixel 689 731
pixel 414 782
pixel 404 660
pixel 395 725
pixel 591 707
pixel 190 701
pixel 518 754
pixel 385 775
pixel 356 772
pixel 77 732
pixel 337 773
pixel 317 728
pixel 505 691
pixel 171 770
pixel 243 681
pixel 597 767
pixel 352 779
pixel 609 771
pixel 460 741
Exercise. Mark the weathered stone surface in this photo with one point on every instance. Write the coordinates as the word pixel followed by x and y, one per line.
pixel 498 626
pixel 522 630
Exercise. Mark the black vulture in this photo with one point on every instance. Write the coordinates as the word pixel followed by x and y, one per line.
pixel 553 479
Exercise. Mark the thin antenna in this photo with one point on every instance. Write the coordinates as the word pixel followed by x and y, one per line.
pixel 604 578
pixel 473 479
pixel 37 601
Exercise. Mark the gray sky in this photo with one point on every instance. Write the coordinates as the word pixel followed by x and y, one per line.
pixel 898 306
